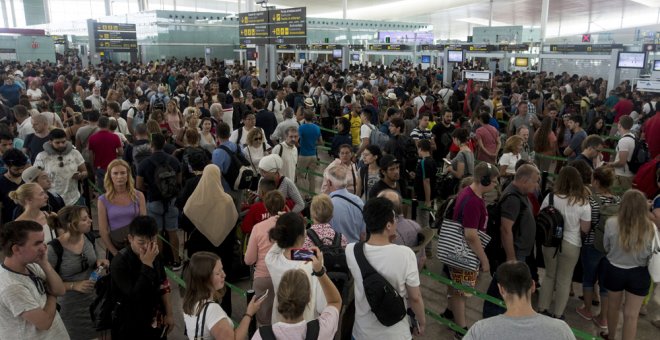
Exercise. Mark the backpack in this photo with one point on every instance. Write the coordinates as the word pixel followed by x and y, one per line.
pixel 59 249
pixel 103 308
pixel 384 300
pixel 607 210
pixel 312 333
pixel 165 180
pixel 494 250
pixel 298 101
pixel 645 178
pixel 124 113
pixel 183 102
pixel 240 173
pixel 140 153
pixel 159 102
pixel 640 154
pixel 334 256
pixel 377 137
pixel 550 226
pixel 334 104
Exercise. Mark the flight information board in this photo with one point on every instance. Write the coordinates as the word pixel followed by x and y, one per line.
pixel 279 26
pixel 115 37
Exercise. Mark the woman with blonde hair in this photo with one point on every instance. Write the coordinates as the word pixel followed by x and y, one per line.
pixel 628 241
pixel 202 314
pixel 571 199
pixel 255 149
pixel 120 204
pixel 173 117
pixel 32 197
pixel 74 262
pixel 512 154
pixel 321 211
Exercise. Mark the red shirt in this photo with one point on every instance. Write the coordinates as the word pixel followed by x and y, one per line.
pixel 258 213
pixel 623 108
pixel 58 89
pixel 653 139
pixel 104 144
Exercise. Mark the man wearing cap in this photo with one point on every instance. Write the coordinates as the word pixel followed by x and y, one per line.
pixel 10 91
pixel 265 119
pixel 15 161
pixel 347 212
pixel 389 176
pixel 65 166
pixel 270 168
pixel 35 174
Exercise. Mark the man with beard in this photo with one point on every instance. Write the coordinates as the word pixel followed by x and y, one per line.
pixel 442 135
pixel 64 165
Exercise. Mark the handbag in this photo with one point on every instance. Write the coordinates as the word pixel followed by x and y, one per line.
pixel 453 250
pixel 119 236
pixel 654 259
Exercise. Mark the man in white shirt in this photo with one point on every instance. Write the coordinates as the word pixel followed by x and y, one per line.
pixel 112 109
pixel 396 263
pixel 624 153
pixel 96 99
pixel 289 153
pixel 29 286
pixel 24 126
pixel 280 130
pixel 278 105
pixel 239 136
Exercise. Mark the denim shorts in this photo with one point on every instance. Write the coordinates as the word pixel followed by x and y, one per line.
pixel 591 267
pixel 170 217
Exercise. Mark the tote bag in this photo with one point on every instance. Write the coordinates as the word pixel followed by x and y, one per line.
pixel 453 250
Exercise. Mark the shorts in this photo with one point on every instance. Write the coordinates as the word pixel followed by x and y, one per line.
pixel 464 277
pixel 635 281
pixel 169 217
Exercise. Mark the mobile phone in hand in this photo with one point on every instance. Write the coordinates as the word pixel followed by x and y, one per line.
pixel 302 254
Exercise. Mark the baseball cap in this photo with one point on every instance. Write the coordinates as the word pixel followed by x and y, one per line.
pixel 385 162
pixel 271 163
pixel 31 174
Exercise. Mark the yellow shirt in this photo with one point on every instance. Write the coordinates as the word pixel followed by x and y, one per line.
pixel 356 122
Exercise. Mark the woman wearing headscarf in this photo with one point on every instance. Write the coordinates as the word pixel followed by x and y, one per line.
pixel 213 213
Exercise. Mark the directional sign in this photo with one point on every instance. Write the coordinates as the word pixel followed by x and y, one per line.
pixel 297 14
pixel 600 48
pixel 648 85
pixel 253 18
pixel 115 37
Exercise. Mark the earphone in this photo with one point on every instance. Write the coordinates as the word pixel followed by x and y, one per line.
pixel 485 180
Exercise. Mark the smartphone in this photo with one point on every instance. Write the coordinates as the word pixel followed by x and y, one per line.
pixel 302 254
pixel 263 297
pixel 446 161
pixel 414 324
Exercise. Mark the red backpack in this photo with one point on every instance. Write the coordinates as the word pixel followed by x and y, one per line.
pixel 645 180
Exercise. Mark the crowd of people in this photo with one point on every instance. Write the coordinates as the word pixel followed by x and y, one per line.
pixel 122 157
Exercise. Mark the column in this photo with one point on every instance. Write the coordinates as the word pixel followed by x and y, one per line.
pixel 344 9
pixel 545 6
pixel 108 8
pixel 5 18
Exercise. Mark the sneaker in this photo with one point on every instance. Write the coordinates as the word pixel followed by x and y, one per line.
pixel 644 310
pixel 602 324
pixel 560 317
pixel 176 266
pixel 594 303
pixel 656 323
pixel 584 313
pixel 546 313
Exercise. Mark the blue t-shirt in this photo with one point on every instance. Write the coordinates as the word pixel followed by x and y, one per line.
pixel 222 159
pixel 656 202
pixel 309 135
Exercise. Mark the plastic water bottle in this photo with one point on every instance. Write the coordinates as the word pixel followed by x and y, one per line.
pixel 97 274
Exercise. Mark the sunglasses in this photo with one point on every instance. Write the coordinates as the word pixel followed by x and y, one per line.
pixel 258 139
pixel 84 263
pixel 61 159
pixel 39 282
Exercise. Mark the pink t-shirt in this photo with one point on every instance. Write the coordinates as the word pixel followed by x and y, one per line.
pixel 474 214
pixel 328 322
pixel 259 245
pixel 488 135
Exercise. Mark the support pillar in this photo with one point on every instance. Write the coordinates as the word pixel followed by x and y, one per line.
pixel 5 18
pixel 108 8
pixel 545 7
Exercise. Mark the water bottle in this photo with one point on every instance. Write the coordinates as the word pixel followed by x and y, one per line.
pixel 97 274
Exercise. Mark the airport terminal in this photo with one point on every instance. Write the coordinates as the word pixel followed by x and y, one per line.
pixel 340 169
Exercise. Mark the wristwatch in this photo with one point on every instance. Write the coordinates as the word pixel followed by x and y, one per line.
pixel 319 273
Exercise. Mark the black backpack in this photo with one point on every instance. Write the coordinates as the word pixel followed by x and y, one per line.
pixel 165 180
pixel 159 102
pixel 334 104
pixel 550 225
pixel 384 300
pixel 334 256
pixel 240 173
pixel 312 333
pixel 640 154
pixel 103 308
pixel 494 250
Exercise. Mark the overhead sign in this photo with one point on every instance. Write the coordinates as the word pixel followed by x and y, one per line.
pixel 59 39
pixel 389 47
pixel 477 75
pixel 324 47
pixel 586 48
pixel 115 37
pixel 648 85
pixel 279 26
